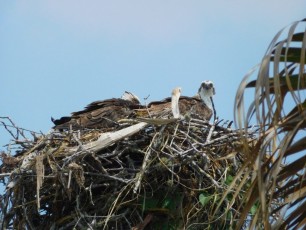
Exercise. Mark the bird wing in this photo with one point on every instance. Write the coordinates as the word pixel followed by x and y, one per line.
pixel 187 106
pixel 98 114
pixel 194 106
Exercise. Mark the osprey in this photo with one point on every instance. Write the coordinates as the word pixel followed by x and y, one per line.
pixel 100 114
pixel 200 105
pixel 107 113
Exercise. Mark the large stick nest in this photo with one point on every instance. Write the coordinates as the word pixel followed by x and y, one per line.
pixel 152 174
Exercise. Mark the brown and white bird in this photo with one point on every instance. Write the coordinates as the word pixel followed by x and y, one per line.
pixel 100 114
pixel 200 105
pixel 107 113
pixel 206 93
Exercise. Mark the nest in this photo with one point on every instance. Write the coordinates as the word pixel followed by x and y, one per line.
pixel 150 173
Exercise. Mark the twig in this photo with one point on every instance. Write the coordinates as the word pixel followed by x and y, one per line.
pixel 206 174
pixel 125 181
pixel 158 121
pixel 18 129
pixel 212 128
pixel 106 139
pixel 142 170
pixel 82 150
pixel 69 178
pixel 144 163
pixel 9 131
pixel 5 174
pixel 174 134
pixel 224 137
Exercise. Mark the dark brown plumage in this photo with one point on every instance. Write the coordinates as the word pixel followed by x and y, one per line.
pixel 98 114
pixel 187 106
pixel 107 113
pixel 200 105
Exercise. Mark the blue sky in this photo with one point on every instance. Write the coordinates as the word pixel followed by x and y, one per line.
pixel 58 56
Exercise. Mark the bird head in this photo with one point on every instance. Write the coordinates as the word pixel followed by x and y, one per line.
pixel 207 89
pixel 177 92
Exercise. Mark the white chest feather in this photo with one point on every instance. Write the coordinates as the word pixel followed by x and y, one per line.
pixel 206 97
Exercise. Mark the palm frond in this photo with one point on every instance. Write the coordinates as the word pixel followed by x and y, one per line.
pixel 277 162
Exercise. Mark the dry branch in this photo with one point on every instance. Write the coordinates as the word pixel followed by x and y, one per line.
pixel 152 173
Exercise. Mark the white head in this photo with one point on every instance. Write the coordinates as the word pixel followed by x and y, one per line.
pixel 206 92
pixel 176 93
pixel 207 89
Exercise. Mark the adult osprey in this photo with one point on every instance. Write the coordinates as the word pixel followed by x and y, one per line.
pixel 200 105
pixel 100 114
pixel 106 113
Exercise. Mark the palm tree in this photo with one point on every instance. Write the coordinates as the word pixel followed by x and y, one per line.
pixel 271 184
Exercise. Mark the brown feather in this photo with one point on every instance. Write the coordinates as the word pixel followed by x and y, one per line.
pixel 187 106
pixel 106 113
pixel 98 114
